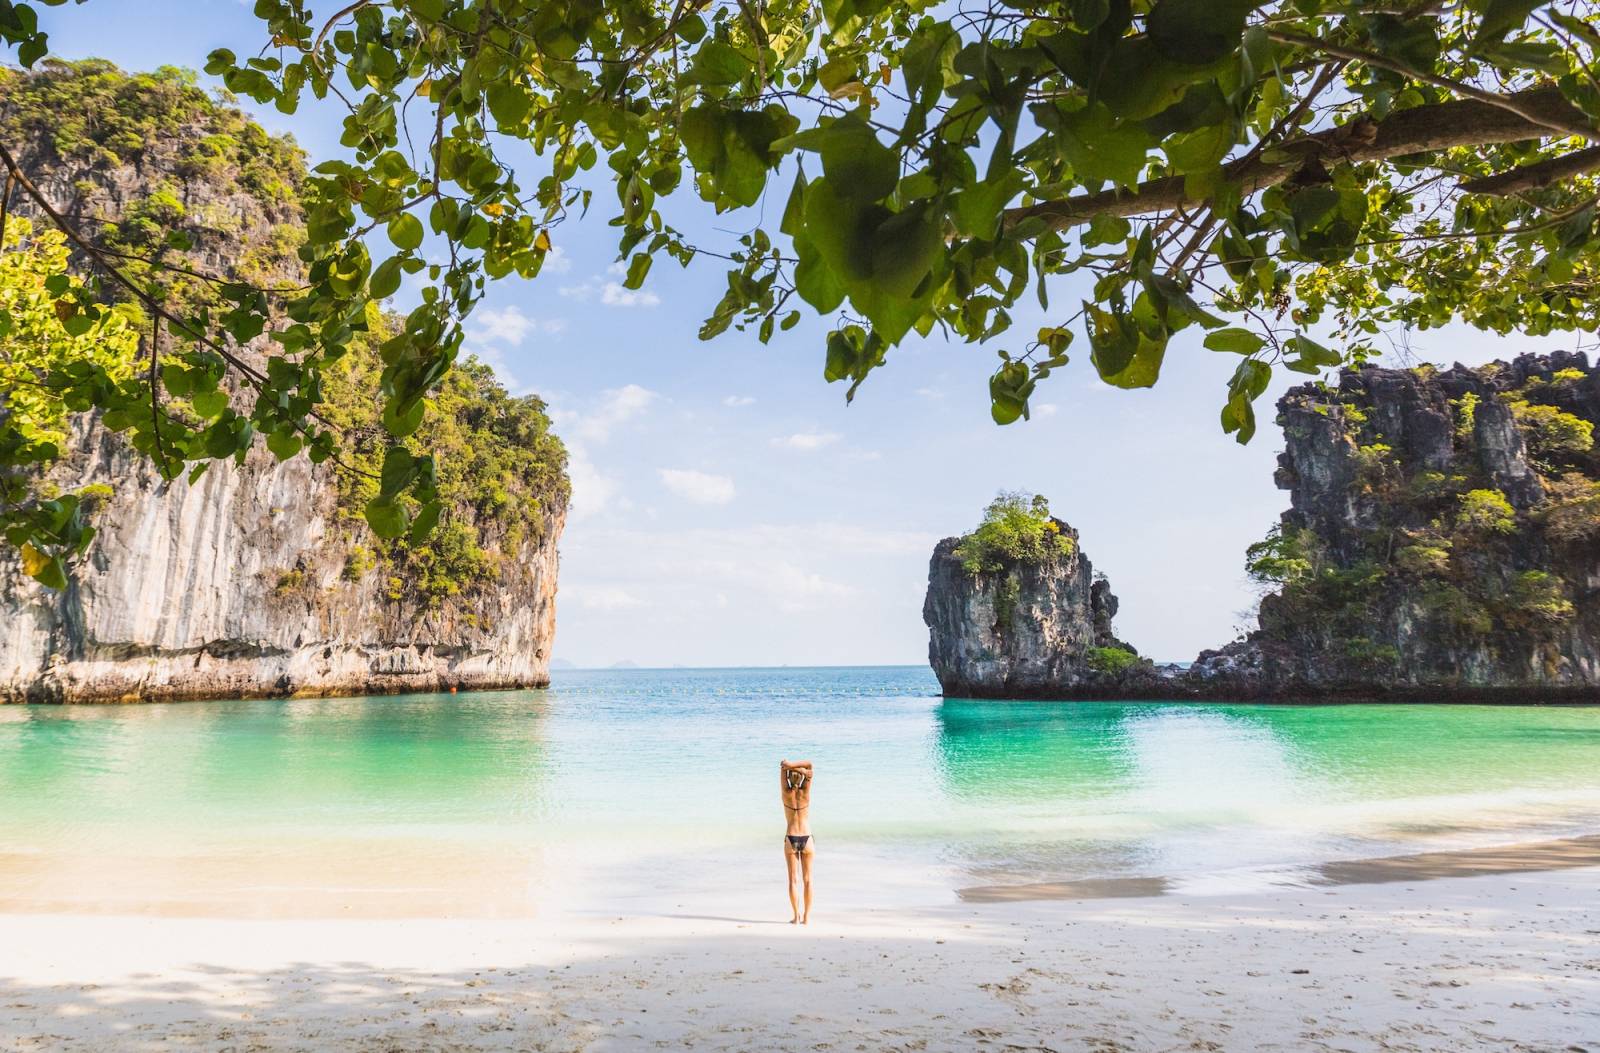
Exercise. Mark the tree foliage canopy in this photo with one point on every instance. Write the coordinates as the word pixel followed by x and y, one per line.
pixel 1289 177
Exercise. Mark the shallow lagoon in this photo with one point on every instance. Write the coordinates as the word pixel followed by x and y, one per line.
pixel 617 788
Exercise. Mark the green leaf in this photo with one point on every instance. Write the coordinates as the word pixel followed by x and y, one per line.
pixel 1009 390
pixel 385 281
pixel 1247 384
pixel 399 470
pixel 387 518
pixel 905 248
pixel 1500 17
pixel 402 423
pixel 208 405
pixel 509 103
pixel 1198 32
pixel 1101 148
pixel 284 442
pixel 43 568
pixel 978 208
pixel 1234 340
pixel 836 73
pixel 717 63
pixel 1239 416
pixel 1314 354
pixel 427 10
pixel 1251 378
pixel 1312 205
pixel 814 280
pixel 1124 355
pixel 1106 230
pixel 638 267
pixel 175 379
pixel 855 162
pixel 841 229
pixel 1201 150
pixel 794 210
pixel 427 518
pixel 405 231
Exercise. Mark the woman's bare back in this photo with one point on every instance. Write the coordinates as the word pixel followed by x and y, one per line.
pixel 795 790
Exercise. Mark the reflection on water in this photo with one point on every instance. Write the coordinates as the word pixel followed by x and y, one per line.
pixel 334 766
pixel 1104 789
pixel 492 798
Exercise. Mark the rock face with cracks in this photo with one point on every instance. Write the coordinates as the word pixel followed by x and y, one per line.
pixel 239 585
pixel 259 578
pixel 1024 628
pixel 1442 544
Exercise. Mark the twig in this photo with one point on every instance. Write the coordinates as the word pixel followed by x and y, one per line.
pixel 5 208
pixel 155 393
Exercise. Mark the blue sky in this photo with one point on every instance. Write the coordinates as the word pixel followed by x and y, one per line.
pixel 730 509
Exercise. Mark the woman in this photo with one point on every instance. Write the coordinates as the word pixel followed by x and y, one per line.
pixel 798 848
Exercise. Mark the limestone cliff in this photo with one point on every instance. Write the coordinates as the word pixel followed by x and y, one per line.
pixel 1443 543
pixel 1443 539
pixel 1015 610
pixel 260 578
pixel 254 581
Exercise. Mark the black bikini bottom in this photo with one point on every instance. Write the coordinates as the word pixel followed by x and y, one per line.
pixel 798 842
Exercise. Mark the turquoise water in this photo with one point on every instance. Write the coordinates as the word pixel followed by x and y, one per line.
pixel 571 784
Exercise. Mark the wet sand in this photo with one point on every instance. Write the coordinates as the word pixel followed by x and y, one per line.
pixel 1559 854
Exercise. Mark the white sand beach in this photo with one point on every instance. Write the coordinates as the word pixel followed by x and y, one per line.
pixel 1508 961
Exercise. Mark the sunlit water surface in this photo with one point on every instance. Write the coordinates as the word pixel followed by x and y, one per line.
pixel 626 790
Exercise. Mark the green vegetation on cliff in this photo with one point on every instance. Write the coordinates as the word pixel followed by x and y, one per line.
pixel 162 136
pixel 1016 528
pixel 159 141
pixel 37 342
pixel 501 475
pixel 1483 554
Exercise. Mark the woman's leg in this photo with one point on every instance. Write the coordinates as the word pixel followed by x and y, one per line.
pixel 789 861
pixel 805 869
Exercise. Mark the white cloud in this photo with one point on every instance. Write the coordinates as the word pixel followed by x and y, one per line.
pixel 614 295
pixel 781 568
pixel 700 487
pixel 593 492
pixel 930 393
pixel 556 261
pixel 738 400
pixel 806 440
pixel 496 360
pixel 1046 409
pixel 601 597
pixel 508 325
pixel 614 407
pixel 611 294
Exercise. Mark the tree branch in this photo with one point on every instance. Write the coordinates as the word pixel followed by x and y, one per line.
pixel 254 377
pixel 1577 125
pixel 1537 175
pixel 1423 129
pixel 155 393
pixel 155 308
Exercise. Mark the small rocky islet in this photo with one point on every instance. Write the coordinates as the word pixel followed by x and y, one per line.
pixel 1442 544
